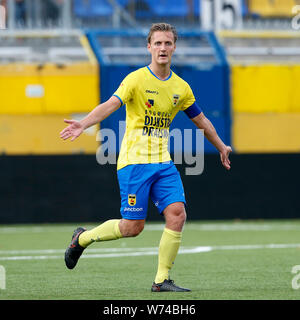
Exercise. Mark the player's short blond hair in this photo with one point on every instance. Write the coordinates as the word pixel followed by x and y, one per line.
pixel 161 26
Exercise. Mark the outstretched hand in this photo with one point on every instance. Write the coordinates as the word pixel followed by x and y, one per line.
pixel 74 130
pixel 224 155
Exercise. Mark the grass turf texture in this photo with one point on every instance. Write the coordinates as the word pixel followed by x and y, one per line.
pixel 232 269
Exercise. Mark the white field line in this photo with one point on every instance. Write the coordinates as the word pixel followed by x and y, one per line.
pixel 230 227
pixel 132 252
pixel 51 251
pixel 239 226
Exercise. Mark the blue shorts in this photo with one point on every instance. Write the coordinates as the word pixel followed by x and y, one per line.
pixel 160 181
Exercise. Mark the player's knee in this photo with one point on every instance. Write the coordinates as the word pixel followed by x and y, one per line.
pixel 136 230
pixel 177 212
pixel 131 228
pixel 180 215
pixel 175 216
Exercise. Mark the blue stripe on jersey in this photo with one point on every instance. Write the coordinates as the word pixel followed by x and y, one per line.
pixel 119 99
pixel 157 77
pixel 193 111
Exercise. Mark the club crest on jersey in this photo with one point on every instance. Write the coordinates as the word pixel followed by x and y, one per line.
pixel 131 199
pixel 175 99
pixel 150 103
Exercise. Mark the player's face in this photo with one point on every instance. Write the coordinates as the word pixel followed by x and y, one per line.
pixel 162 47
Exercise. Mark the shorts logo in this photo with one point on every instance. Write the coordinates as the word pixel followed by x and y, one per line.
pixel 175 99
pixel 133 209
pixel 132 199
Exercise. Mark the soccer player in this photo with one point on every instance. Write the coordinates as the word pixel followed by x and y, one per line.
pixel 153 95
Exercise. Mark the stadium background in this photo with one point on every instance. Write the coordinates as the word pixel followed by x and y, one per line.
pixel 59 59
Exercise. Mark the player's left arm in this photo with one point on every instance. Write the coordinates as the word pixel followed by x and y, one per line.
pixel 195 113
pixel 211 135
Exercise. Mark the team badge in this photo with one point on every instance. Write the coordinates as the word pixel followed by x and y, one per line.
pixel 150 103
pixel 175 99
pixel 132 199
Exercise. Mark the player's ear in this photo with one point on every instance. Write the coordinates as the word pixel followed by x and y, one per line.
pixel 148 47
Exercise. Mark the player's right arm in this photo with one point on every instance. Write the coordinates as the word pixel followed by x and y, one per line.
pixel 98 114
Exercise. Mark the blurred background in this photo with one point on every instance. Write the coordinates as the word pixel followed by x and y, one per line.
pixel 60 58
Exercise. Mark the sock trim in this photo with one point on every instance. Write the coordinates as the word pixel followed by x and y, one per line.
pixel 174 233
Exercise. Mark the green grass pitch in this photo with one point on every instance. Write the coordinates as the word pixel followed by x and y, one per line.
pixel 222 260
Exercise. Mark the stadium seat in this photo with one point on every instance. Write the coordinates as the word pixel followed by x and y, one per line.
pixel 92 8
pixel 144 8
pixel 284 7
pixel 245 10
pixel 168 8
pixel 197 8
pixel 123 3
pixel 275 8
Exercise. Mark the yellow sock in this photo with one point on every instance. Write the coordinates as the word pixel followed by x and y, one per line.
pixel 168 248
pixel 108 230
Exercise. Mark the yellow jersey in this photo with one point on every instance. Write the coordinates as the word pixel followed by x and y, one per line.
pixel 151 105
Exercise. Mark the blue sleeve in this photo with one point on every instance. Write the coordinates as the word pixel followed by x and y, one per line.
pixel 193 111
pixel 119 99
